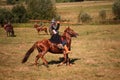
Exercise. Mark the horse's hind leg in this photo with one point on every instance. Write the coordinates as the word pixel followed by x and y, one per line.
pixel 12 33
pixel 41 55
pixel 38 32
pixel 8 34
pixel 36 59
pixel 45 61
pixel 46 31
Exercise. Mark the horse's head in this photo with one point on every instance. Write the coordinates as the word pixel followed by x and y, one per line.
pixel 71 32
pixel 36 25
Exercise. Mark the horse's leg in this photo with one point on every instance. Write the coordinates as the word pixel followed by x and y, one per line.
pixel 41 55
pixel 38 56
pixel 68 60
pixel 65 59
pixel 36 59
pixel 38 31
pixel 7 34
pixel 12 33
pixel 46 31
pixel 45 61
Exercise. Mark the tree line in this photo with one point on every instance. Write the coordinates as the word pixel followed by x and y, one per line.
pixel 44 10
pixel 18 1
pixel 32 9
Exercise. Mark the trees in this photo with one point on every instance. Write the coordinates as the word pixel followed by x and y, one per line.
pixel 116 9
pixel 34 9
pixel 20 13
pixel 5 15
pixel 10 1
pixel 41 9
pixel 69 0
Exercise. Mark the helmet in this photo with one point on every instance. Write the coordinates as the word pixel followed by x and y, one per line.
pixel 53 20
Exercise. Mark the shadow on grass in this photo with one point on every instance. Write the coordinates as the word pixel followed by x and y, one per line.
pixel 72 61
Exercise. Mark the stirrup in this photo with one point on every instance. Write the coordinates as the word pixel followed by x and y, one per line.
pixel 69 52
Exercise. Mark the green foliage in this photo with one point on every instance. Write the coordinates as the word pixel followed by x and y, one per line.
pixel 84 17
pixel 68 0
pixel 62 0
pixel 5 15
pixel 41 9
pixel 20 13
pixel 116 9
pixel 10 1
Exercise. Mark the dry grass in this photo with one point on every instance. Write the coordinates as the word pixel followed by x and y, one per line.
pixel 95 54
pixel 91 7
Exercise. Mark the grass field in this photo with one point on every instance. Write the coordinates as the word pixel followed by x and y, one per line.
pixel 91 7
pixel 95 52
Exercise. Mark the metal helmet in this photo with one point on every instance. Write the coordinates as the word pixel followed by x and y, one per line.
pixel 53 20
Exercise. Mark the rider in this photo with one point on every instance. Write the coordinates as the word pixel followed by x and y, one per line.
pixel 55 38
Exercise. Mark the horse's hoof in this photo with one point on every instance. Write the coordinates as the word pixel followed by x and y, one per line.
pixel 69 64
pixel 46 65
pixel 58 65
pixel 36 64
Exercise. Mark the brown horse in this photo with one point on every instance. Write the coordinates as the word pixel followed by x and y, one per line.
pixel 40 28
pixel 9 29
pixel 46 45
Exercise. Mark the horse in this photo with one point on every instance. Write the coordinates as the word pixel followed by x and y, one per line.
pixel 40 28
pixel 9 29
pixel 46 45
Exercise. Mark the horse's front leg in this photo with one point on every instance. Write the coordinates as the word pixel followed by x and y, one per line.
pixel 65 58
pixel 7 34
pixel 68 60
pixel 38 32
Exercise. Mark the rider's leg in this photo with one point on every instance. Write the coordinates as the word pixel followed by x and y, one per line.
pixel 66 49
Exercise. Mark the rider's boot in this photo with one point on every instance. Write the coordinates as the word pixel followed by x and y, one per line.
pixel 66 49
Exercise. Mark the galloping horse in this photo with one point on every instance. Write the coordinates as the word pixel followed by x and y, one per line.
pixel 9 29
pixel 46 45
pixel 38 28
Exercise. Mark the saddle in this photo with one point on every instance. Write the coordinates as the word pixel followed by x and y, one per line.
pixel 56 41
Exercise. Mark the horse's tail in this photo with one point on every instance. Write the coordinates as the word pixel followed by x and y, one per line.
pixel 28 53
